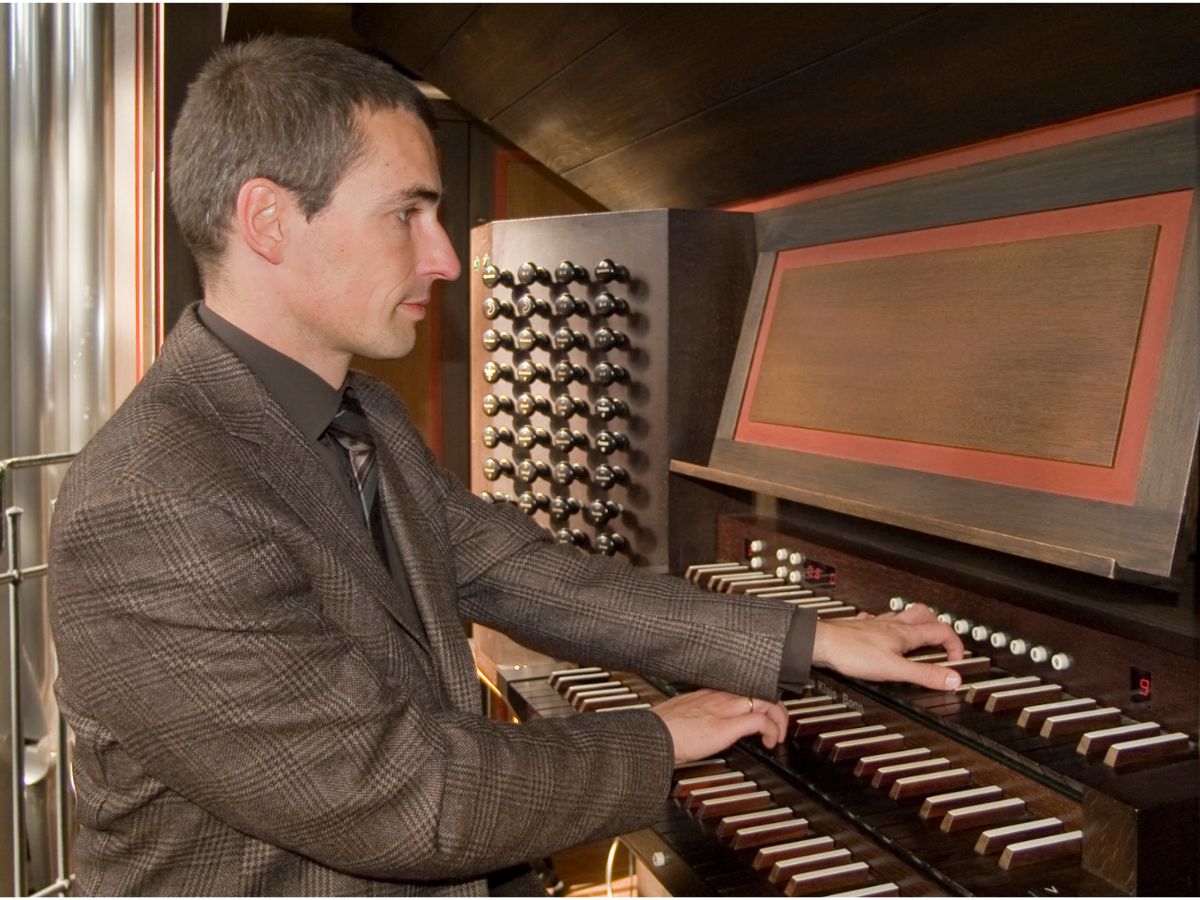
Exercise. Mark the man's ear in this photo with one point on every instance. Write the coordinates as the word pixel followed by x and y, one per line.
pixel 261 207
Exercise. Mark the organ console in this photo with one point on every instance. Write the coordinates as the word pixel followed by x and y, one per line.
pixel 1016 783
pixel 968 383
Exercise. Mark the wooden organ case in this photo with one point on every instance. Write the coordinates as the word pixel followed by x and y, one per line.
pixel 972 382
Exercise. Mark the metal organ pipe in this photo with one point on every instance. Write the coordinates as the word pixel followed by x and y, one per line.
pixel 58 86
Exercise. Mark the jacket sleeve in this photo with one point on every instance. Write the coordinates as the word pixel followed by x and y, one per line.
pixel 558 600
pixel 218 673
pixel 512 576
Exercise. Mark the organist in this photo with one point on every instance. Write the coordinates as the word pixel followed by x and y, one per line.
pixel 259 573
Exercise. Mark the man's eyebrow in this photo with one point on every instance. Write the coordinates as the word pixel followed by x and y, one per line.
pixel 416 192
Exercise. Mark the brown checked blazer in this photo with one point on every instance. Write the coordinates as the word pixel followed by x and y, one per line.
pixel 251 714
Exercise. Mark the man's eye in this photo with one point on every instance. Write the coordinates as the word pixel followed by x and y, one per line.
pixel 404 214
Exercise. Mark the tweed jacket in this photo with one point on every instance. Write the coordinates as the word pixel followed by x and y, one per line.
pixel 251 713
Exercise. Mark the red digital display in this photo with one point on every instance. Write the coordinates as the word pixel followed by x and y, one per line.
pixel 1141 685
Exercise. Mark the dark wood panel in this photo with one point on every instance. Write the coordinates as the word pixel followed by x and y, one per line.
pixel 1090 171
pixel 1022 348
pixel 412 34
pixel 1086 535
pixel 533 190
pixel 1175 422
pixel 506 50
pixel 961 75
pixel 672 63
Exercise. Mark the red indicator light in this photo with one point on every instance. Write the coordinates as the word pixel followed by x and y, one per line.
pixel 1141 685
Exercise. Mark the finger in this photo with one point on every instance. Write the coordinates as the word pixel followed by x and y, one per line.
pixel 770 718
pixel 777 717
pixel 934 677
pixel 931 634
pixel 917 613
pixel 719 732
pixel 761 724
pixel 736 704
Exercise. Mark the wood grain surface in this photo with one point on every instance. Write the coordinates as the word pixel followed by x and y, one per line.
pixel 1021 348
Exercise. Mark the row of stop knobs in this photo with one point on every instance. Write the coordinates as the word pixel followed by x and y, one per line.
pixel 565 273
pixel 598 512
pixel 564 439
pixel 564 338
pixel 526 306
pixel 563 373
pixel 561 407
pixel 530 471
pixel 524 337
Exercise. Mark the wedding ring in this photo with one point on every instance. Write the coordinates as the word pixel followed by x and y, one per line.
pixel 751 699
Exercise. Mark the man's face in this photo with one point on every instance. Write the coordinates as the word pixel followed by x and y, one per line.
pixel 365 264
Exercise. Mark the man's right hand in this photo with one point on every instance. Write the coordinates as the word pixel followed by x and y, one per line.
pixel 873 647
pixel 705 722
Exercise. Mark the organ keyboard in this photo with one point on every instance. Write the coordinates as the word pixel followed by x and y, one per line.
pixel 1017 782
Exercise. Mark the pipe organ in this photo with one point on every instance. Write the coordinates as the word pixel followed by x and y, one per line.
pixel 967 382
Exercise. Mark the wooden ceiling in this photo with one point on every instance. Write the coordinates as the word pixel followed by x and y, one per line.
pixel 695 105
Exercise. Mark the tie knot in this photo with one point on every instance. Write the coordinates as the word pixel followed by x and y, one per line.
pixel 349 423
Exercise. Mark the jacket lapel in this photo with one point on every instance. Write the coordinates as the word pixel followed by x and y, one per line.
pixel 422 538
pixel 287 465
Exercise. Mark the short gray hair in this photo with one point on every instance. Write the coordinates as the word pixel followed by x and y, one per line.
pixel 283 108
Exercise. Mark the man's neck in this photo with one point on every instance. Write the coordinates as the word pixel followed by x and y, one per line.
pixel 264 322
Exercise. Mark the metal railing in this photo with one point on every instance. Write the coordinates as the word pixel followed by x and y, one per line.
pixel 13 578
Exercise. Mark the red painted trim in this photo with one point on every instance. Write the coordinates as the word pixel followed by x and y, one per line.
pixel 139 298
pixel 159 178
pixel 501 160
pixel 1151 113
pixel 1115 484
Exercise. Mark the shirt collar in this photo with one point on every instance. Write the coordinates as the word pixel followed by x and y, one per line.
pixel 305 396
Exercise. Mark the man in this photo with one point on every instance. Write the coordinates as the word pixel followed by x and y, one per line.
pixel 258 619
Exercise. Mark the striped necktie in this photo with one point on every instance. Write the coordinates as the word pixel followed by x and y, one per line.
pixel 350 429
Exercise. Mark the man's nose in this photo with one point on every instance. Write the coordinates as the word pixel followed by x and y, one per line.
pixel 440 259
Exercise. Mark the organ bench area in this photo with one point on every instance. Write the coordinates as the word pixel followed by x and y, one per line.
pixel 968 382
